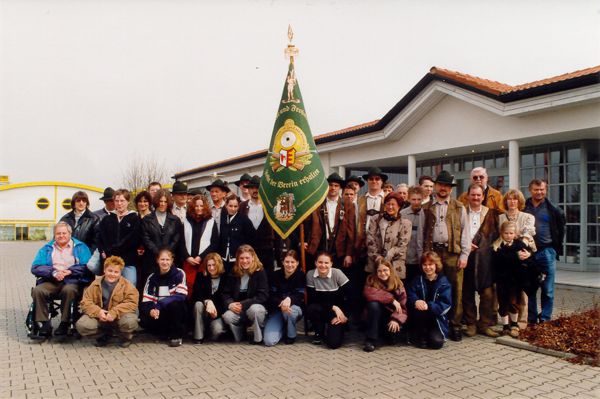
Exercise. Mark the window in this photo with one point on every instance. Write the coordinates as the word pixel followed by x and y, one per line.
pixel 42 203
pixel 66 204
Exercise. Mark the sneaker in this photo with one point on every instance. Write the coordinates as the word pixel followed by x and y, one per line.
pixel 198 341
pixel 124 343
pixel 175 342
pixel 62 330
pixel 369 346
pixel 505 330
pixel 455 334
pixel 41 331
pixel 317 340
pixel 514 331
pixel 289 341
pixel 102 341
pixel 489 332
pixel 471 330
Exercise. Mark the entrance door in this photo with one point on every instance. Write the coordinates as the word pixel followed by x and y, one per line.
pixel 22 233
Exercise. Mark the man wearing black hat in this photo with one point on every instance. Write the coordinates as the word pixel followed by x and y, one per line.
pixel 446 233
pixel 354 183
pixel 179 192
pixel 369 205
pixel 218 190
pixel 244 180
pixel 332 227
pixel 263 236
pixel 109 203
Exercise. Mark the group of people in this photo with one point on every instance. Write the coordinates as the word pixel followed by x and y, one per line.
pixel 401 265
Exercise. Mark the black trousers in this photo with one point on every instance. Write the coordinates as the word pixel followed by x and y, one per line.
pixel 170 323
pixel 320 316
pixel 378 317
pixel 424 327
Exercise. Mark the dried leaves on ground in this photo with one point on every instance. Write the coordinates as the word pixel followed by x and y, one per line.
pixel 578 333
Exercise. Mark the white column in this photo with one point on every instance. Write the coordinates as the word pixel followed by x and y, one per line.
pixel 342 171
pixel 513 164
pixel 412 170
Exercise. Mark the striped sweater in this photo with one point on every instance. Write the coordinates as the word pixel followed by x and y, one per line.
pixel 162 289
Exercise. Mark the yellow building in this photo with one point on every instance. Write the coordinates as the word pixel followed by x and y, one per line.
pixel 29 210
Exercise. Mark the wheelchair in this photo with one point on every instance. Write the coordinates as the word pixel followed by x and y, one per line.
pixel 54 307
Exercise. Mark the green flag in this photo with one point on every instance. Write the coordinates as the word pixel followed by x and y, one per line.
pixel 293 183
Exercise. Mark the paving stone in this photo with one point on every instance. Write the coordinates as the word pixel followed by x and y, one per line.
pixel 474 368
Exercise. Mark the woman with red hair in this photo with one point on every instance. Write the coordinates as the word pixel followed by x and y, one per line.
pixel 199 237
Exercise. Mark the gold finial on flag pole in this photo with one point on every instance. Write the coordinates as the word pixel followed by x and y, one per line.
pixel 291 51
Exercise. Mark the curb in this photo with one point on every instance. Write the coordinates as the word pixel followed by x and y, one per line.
pixel 516 343
pixel 574 287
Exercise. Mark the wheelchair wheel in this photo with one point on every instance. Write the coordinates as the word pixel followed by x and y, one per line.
pixel 29 319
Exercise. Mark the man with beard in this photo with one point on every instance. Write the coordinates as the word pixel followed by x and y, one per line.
pixel 483 231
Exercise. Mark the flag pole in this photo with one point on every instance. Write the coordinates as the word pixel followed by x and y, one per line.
pixel 302 250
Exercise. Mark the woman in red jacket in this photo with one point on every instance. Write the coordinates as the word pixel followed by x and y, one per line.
pixel 386 305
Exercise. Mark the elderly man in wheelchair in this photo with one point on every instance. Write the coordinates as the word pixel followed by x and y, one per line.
pixel 61 273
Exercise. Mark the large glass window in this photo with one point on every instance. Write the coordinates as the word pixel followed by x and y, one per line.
pixel 593 200
pixel 494 162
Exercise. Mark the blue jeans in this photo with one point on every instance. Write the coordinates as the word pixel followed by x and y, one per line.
pixel 546 262
pixel 130 273
pixel 278 321
pixel 95 264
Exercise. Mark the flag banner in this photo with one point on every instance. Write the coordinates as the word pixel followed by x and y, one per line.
pixel 293 183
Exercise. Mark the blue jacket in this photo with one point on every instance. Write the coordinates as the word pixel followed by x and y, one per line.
pixel 442 299
pixel 42 264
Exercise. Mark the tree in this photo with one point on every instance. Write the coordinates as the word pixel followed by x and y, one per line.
pixel 142 170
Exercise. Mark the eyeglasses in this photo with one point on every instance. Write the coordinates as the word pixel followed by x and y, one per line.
pixel 478 177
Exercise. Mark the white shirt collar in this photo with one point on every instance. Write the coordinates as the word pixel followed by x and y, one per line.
pixel 316 273
pixel 380 195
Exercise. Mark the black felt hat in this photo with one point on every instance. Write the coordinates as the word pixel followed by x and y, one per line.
pixel 179 187
pixel 254 182
pixel 336 178
pixel 108 194
pixel 375 171
pixel 444 177
pixel 244 177
pixel 220 184
pixel 357 179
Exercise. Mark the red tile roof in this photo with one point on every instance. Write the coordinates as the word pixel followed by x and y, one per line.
pixel 498 88
pixel 485 85
pixel 347 130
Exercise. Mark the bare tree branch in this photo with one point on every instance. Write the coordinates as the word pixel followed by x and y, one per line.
pixel 142 170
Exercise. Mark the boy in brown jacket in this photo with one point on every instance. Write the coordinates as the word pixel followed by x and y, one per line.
pixel 109 302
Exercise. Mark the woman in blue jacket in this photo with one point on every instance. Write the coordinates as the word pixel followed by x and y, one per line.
pixel 429 300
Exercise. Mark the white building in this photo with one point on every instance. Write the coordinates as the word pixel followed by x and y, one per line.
pixel 449 120
pixel 29 210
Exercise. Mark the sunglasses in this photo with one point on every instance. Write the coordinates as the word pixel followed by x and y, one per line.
pixel 478 177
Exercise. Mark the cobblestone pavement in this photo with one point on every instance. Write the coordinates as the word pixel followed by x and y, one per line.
pixel 473 368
